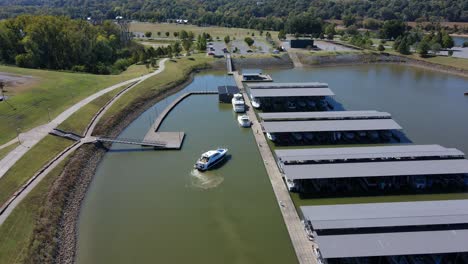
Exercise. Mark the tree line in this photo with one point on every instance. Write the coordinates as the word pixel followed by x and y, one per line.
pixel 61 43
pixel 266 14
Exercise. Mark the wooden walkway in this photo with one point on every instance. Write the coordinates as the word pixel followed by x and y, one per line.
pixel 302 246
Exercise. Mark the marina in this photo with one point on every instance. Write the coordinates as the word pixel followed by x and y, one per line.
pixel 217 216
pixel 360 172
pixel 224 185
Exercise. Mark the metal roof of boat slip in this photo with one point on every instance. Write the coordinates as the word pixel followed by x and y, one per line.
pixel 390 215
pixel 326 217
pixel 375 169
pixel 287 85
pixel 375 152
pixel 325 115
pixel 330 125
pixel 291 92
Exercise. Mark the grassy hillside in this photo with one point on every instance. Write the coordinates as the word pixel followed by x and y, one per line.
pixel 51 92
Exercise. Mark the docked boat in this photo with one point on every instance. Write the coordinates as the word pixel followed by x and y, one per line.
pixel 301 104
pixel 210 158
pixel 323 104
pixel 309 136
pixel 244 121
pixel 374 135
pixel 311 104
pixel 349 135
pixel 291 105
pixel 270 136
pixel 385 135
pixel 238 103
pixel 297 136
pixel 466 93
pixel 254 101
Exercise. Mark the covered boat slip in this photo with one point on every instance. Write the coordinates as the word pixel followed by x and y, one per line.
pixel 324 115
pixel 376 169
pixel 276 85
pixel 291 92
pixel 367 153
pixel 352 216
pixel 330 125
pixel 391 244
pixel 389 229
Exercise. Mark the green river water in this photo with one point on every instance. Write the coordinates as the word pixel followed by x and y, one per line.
pixel 151 207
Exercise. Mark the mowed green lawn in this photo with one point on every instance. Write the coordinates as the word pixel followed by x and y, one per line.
pixel 17 230
pixel 49 91
pixel 78 122
pixel 4 151
pixel 30 163
pixel 175 72
pixel 221 32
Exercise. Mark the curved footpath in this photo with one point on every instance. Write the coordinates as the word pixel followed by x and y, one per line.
pixel 33 136
pixel 40 132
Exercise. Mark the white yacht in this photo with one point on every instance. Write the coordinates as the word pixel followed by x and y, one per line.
pixel 244 121
pixel 210 158
pixel 238 103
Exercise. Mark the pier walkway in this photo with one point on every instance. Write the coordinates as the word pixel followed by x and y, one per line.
pixel 229 64
pixel 168 109
pixel 302 246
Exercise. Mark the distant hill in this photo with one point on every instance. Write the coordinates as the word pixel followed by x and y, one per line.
pixel 260 14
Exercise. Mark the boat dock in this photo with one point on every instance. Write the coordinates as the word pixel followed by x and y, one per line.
pixel 302 246
pixel 168 140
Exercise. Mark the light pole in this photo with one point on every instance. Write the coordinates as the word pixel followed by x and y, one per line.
pixel 48 113
pixel 18 130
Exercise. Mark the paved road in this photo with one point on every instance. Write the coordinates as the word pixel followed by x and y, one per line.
pixel 11 142
pixel 33 136
pixel 88 139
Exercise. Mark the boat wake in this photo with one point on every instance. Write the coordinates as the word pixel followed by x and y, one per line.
pixel 205 180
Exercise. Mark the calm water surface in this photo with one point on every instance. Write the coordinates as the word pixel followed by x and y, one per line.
pixel 430 106
pixel 152 207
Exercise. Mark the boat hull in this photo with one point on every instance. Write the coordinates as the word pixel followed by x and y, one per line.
pixel 206 166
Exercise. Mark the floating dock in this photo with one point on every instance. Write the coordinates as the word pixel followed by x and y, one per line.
pixel 170 140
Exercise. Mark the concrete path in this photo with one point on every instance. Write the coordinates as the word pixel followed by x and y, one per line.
pixel 34 181
pixel 33 136
pixel 302 246
pixel 9 143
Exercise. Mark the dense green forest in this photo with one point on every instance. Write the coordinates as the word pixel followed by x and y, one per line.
pixel 260 14
pixel 60 43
